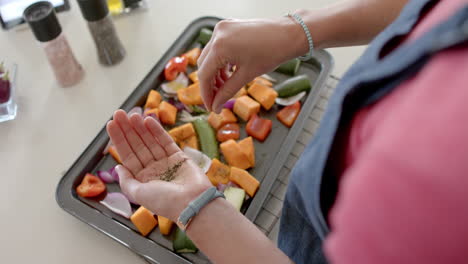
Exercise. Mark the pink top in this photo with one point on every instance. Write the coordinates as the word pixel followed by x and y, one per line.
pixel 404 189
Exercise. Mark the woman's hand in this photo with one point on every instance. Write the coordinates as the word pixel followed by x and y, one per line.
pixel 254 47
pixel 155 172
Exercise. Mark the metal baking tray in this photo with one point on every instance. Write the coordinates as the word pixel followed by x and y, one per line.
pixel 270 155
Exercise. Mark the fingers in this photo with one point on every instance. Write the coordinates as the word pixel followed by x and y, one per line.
pixel 206 75
pixel 166 142
pixel 149 140
pixel 129 158
pixel 133 139
pixel 230 86
pixel 128 184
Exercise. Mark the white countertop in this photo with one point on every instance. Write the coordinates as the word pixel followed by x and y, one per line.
pixel 54 125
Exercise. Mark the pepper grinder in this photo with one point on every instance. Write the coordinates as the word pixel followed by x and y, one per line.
pixel 109 47
pixel 47 30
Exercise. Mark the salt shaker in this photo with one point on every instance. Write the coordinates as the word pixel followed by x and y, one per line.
pixel 109 47
pixel 47 30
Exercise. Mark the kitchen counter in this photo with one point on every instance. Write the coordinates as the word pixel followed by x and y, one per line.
pixel 54 125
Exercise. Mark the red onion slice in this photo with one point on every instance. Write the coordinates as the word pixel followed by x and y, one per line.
pixel 221 187
pixel 118 203
pixel 135 109
pixel 230 104
pixel 105 176
pixel 290 100
pixel 114 174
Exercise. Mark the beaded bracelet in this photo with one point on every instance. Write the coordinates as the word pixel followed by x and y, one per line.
pixel 301 22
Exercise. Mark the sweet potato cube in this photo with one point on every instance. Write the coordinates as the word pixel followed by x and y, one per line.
pixel 189 142
pixel 182 132
pixel 263 94
pixel 241 92
pixel 262 81
pixel 190 95
pixel 244 180
pixel 153 100
pixel 245 107
pixel 193 76
pixel 247 146
pixel 165 225
pixel 225 117
pixel 167 113
pixel 144 220
pixel 234 155
pixel 218 172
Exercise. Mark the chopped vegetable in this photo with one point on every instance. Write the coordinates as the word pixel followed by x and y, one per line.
pixel 218 172
pixel 205 36
pixel 191 142
pixel 229 104
pixel 207 138
pixel 175 66
pixel 187 117
pixel 218 120
pixel 262 81
pixel 167 113
pixel 290 67
pixel 183 244
pixel 135 110
pixel 235 196
pixel 241 92
pixel 194 76
pixel 234 155
pixel 91 186
pixel 269 78
pixel 263 94
pixel 198 109
pixel 293 86
pixel 5 88
pixel 259 128
pixel 165 225
pixel 154 111
pixel 290 100
pixel 153 100
pixel 247 146
pixel 105 176
pixel 182 132
pixel 190 95
pixel 221 187
pixel 144 220
pixel 289 114
pixel 228 131
pixel 171 88
pixel 244 180
pixel 114 174
pixel 192 56
pixel 115 154
pixel 245 107
pixel 118 203
pixel 202 161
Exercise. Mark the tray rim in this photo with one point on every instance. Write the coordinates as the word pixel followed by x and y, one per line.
pixel 151 251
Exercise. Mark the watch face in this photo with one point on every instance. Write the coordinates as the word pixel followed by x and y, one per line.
pixel 11 11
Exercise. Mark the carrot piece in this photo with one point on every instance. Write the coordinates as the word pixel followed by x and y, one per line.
pixel 245 107
pixel 153 100
pixel 189 142
pixel 182 132
pixel 193 76
pixel 165 225
pixel 244 180
pixel 218 172
pixel 190 95
pixel 144 220
pixel 192 56
pixel 167 113
pixel 247 146
pixel 234 155
pixel 218 120
pixel 263 94
pixel 241 92
pixel 115 154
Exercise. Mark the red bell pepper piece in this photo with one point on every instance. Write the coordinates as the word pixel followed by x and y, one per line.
pixel 175 66
pixel 228 131
pixel 288 115
pixel 91 186
pixel 259 128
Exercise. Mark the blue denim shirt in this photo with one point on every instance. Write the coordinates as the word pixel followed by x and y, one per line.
pixel 313 185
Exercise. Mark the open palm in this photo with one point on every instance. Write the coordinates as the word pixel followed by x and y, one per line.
pixel 155 172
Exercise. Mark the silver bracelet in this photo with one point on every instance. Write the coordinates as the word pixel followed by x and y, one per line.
pixel 301 22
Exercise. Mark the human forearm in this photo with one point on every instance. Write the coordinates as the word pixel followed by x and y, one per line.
pixel 226 236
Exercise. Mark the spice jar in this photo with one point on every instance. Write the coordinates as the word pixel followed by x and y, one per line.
pixel 109 47
pixel 47 30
